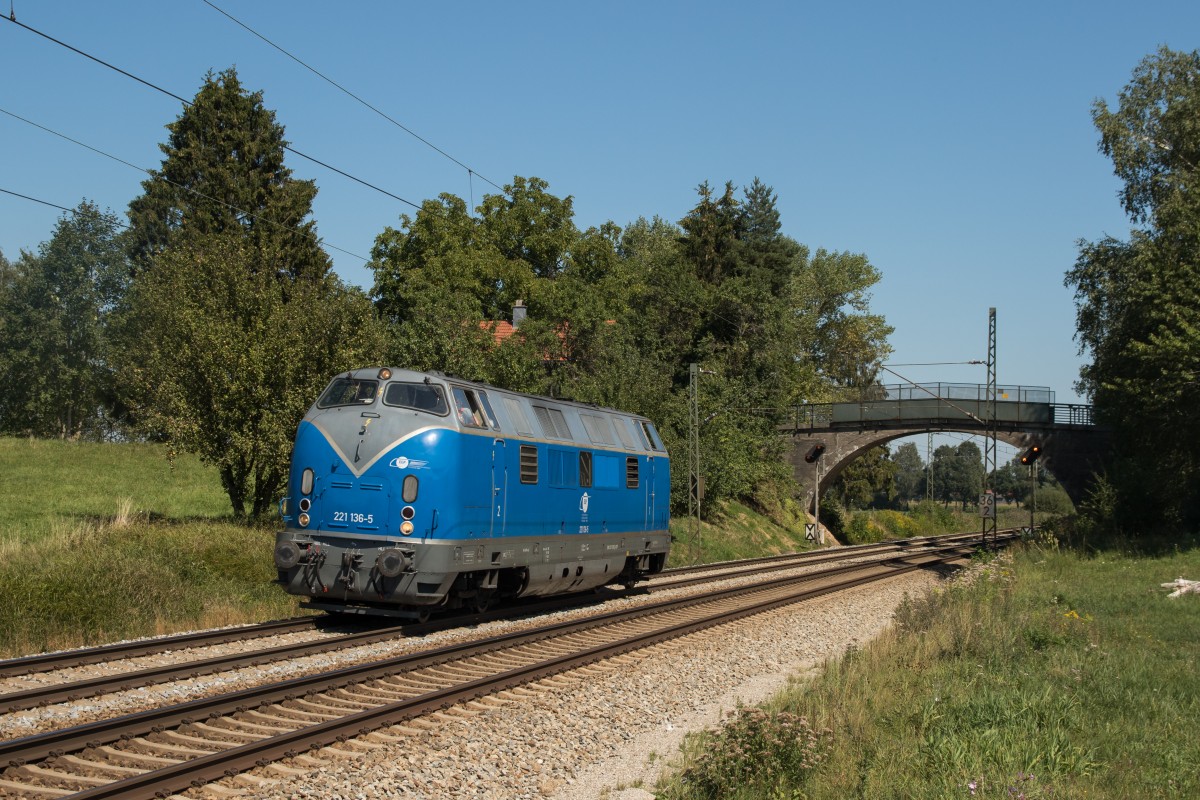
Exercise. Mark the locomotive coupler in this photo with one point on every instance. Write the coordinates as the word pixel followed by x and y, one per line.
pixel 351 563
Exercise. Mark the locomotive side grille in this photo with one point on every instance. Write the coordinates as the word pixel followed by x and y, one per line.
pixel 631 473
pixel 529 464
pixel 553 423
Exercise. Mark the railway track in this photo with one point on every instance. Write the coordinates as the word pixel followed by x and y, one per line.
pixel 167 749
pixel 67 659
pixel 52 693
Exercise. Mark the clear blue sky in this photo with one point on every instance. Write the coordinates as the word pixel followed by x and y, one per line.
pixel 951 143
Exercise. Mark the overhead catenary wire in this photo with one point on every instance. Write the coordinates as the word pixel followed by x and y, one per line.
pixel 56 205
pixel 197 193
pixel 288 148
pixel 471 173
pixel 186 102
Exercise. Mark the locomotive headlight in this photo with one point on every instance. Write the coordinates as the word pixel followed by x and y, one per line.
pixel 406 528
pixel 306 482
pixel 303 520
pixel 305 504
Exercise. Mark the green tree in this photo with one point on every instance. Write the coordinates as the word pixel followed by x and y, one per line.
pixel 869 480
pixel 957 473
pixel 1011 481
pixel 910 473
pixel 55 308
pixel 233 321
pixel 223 359
pixel 434 283
pixel 1138 301
pixel 224 171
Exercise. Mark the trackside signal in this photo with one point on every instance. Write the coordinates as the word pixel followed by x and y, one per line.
pixel 1031 455
pixel 815 453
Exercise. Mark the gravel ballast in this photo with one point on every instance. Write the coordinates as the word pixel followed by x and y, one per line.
pixel 602 732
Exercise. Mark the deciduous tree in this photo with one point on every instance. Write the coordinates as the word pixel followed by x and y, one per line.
pixel 1138 301
pixel 55 306
pixel 223 359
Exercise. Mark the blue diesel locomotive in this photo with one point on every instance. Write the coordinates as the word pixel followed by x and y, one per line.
pixel 411 492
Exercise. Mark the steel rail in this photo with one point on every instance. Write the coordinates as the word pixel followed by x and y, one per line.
pixel 90 687
pixel 174 778
pixel 828 554
pixel 45 662
pixel 40 746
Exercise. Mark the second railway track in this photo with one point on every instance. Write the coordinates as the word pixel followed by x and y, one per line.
pixel 142 676
pixel 318 709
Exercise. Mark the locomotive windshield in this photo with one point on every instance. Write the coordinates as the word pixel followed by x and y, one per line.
pixel 348 392
pixel 417 396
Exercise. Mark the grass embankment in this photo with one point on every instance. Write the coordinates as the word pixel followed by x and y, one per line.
pixel 927 518
pixel 734 532
pixel 1052 676
pixel 100 542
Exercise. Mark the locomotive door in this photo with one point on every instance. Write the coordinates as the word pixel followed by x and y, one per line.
pixel 499 487
pixel 649 483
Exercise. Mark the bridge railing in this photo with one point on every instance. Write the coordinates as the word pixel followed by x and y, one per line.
pixel 1071 414
pixel 959 391
pixel 965 412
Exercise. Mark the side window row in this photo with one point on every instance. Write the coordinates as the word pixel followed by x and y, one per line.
pixel 587 476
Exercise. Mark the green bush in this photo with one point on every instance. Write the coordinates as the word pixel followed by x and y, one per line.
pixel 755 751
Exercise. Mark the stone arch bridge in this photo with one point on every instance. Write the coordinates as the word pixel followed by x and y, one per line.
pixel 1073 447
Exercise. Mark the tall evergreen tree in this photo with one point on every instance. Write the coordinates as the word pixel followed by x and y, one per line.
pixel 224 171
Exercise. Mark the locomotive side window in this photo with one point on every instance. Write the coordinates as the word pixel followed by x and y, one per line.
pixel 469 409
pixel 651 437
pixel 417 396
pixel 585 469
pixel 529 464
pixel 631 472
pixel 348 392
pixel 488 414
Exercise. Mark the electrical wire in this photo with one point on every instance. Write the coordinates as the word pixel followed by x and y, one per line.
pixel 932 364
pixel 470 172
pixel 197 193
pixel 56 205
pixel 171 94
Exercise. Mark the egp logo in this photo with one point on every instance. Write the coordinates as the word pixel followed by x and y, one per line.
pixel 404 462
pixel 583 503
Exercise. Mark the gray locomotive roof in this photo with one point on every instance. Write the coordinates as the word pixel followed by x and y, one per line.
pixel 400 373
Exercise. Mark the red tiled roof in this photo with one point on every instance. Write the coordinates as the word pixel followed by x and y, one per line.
pixel 500 330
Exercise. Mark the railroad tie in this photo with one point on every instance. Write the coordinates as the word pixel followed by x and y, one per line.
pixel 25 790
